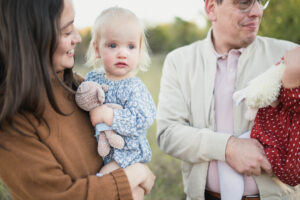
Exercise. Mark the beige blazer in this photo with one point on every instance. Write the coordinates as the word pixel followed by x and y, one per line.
pixel 186 118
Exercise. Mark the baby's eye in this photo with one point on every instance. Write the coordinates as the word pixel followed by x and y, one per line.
pixel 131 46
pixel 112 45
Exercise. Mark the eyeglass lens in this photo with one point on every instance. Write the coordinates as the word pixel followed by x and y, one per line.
pixel 246 5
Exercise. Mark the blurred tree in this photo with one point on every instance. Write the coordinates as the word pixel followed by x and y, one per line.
pixel 184 32
pixel 282 20
pixel 166 37
pixel 158 38
pixel 82 47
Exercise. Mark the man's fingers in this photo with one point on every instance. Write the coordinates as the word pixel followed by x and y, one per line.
pixel 247 157
pixel 266 166
pixel 259 145
pixel 256 171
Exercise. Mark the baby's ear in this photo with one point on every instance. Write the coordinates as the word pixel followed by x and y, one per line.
pixel 104 87
pixel 96 49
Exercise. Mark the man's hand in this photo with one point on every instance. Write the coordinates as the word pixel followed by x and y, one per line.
pixel 247 156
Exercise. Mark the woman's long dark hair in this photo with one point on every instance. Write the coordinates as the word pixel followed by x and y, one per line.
pixel 29 33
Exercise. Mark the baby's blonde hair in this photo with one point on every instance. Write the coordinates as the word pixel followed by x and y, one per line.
pixel 101 20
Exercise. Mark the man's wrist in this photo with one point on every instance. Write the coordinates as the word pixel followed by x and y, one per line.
pixel 228 148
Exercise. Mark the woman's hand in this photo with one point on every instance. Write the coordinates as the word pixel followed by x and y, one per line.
pixel 140 175
pixel 102 114
pixel 138 193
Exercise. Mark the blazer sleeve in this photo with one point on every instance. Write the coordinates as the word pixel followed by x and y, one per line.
pixel 175 134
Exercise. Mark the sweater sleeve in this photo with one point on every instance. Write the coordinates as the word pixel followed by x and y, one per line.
pixel 31 170
pixel 138 114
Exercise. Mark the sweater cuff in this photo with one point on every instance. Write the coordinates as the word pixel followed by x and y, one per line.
pixel 122 184
pixel 110 186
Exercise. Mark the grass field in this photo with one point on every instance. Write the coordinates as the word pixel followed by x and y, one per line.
pixel 4 195
pixel 168 184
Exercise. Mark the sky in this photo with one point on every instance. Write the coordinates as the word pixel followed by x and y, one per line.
pixel 152 12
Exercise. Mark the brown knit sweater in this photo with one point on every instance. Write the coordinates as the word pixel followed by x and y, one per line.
pixel 59 162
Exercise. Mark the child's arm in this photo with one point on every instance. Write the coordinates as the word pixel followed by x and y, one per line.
pixel 102 114
pixel 291 76
pixel 138 113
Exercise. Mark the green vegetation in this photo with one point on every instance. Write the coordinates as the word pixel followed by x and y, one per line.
pixel 81 48
pixel 282 20
pixel 166 37
pixel 4 194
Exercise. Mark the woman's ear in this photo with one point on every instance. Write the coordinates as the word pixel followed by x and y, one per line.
pixel 210 9
pixel 96 49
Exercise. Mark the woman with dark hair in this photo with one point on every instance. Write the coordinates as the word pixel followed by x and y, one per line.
pixel 47 147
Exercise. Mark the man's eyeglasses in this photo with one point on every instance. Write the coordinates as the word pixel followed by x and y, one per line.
pixel 247 5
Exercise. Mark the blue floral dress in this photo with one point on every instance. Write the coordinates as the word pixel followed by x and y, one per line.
pixel 131 122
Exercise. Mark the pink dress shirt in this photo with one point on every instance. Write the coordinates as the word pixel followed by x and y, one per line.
pixel 224 89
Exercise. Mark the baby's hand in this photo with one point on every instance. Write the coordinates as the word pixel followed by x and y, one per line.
pixel 102 114
pixel 291 76
pixel 275 103
pixel 292 58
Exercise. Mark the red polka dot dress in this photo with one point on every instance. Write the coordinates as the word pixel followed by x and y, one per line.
pixel 278 129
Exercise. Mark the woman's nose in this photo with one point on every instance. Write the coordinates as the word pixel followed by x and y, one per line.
pixel 76 37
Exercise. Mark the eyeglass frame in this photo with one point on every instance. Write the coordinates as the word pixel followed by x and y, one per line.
pixel 251 6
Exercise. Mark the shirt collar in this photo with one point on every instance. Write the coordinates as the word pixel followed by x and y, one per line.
pixel 223 56
pixel 232 51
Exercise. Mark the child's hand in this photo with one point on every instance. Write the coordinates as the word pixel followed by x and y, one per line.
pixel 291 76
pixel 102 114
pixel 292 58
pixel 275 103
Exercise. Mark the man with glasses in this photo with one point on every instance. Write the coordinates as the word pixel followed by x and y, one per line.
pixel 197 121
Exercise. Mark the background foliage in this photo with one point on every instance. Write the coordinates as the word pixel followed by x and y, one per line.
pixel 166 37
pixel 281 20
